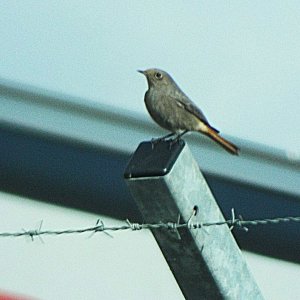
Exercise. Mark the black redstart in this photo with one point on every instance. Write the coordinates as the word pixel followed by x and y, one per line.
pixel 173 110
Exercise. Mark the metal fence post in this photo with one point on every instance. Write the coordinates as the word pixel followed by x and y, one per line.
pixel 166 182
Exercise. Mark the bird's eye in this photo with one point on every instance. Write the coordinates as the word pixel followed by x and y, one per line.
pixel 158 75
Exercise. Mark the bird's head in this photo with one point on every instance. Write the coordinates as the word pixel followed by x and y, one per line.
pixel 157 78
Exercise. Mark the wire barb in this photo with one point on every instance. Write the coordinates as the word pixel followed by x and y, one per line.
pixel 134 226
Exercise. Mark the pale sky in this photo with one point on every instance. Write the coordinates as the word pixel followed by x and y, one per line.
pixel 238 60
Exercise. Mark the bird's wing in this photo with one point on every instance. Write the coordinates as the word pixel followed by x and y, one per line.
pixel 191 107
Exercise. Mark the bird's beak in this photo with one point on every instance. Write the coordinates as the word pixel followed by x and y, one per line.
pixel 140 71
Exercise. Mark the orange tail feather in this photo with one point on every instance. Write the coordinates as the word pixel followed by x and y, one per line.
pixel 228 146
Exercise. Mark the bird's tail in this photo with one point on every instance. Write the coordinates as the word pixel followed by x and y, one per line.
pixel 213 134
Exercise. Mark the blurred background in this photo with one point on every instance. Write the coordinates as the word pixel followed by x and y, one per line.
pixel 70 96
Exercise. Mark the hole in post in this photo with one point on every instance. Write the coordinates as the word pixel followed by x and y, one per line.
pixel 195 209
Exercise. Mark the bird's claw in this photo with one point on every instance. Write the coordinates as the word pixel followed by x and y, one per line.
pixel 165 138
pixel 172 138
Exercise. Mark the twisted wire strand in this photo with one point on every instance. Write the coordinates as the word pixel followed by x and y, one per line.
pixel 100 227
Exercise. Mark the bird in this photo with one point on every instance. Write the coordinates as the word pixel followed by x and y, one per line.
pixel 172 109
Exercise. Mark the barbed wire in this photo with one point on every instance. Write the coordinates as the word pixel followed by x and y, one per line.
pixel 101 227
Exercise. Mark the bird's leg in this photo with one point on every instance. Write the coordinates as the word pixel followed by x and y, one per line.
pixel 163 138
pixel 178 137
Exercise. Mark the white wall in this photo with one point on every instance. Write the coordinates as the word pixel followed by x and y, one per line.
pixel 127 266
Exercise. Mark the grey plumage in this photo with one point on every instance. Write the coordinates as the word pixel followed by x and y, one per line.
pixel 173 110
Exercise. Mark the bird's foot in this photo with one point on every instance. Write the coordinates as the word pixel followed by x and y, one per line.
pixel 173 138
pixel 174 141
pixel 177 138
pixel 156 141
